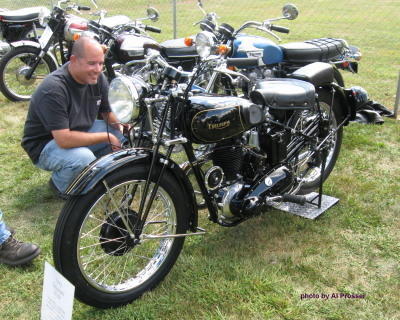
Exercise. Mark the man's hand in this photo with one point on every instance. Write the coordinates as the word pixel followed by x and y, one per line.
pixel 115 143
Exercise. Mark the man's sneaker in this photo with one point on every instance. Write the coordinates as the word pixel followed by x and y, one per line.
pixel 14 252
pixel 56 191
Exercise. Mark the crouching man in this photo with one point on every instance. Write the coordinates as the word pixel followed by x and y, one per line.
pixel 62 133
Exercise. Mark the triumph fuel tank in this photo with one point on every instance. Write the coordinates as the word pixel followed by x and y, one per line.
pixel 247 46
pixel 214 118
pixel 129 46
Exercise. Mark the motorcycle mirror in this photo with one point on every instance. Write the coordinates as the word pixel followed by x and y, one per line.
pixel 290 11
pixel 152 14
pixel 200 5
pixel 95 3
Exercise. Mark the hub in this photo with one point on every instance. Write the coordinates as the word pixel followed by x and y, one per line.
pixel 114 237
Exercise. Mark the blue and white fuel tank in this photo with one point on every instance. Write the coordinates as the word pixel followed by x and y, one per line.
pixel 250 46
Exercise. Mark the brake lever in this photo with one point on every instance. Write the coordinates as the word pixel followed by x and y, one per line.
pixel 265 29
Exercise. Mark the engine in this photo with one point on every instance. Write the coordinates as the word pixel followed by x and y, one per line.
pixel 253 164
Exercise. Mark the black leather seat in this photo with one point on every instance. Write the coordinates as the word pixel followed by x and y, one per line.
pixel 177 49
pixel 21 15
pixel 284 94
pixel 314 50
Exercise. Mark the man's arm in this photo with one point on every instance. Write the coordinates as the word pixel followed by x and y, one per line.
pixel 66 138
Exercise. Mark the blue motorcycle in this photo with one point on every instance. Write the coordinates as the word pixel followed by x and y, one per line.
pixel 257 57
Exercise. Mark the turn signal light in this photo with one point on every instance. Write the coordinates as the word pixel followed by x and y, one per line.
pixel 76 36
pixel 188 41
pixel 222 49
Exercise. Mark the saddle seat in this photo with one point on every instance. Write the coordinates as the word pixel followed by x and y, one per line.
pixel 315 50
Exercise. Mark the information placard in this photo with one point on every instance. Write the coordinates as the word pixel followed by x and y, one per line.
pixel 57 295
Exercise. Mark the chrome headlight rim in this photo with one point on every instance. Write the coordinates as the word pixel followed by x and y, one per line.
pixel 205 44
pixel 127 110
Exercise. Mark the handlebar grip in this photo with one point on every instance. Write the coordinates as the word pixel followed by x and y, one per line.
pixel 242 62
pixel 279 29
pixel 152 29
pixel 84 8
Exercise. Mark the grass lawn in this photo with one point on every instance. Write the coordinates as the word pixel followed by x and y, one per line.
pixel 261 268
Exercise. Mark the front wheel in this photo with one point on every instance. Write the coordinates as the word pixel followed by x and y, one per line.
pixel 94 250
pixel 14 67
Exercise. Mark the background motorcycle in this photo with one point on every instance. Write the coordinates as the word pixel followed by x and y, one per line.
pixel 24 67
pixel 124 224
pixel 28 63
pixel 273 60
pixel 22 24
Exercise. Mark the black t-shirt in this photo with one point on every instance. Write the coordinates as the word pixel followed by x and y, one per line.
pixel 62 103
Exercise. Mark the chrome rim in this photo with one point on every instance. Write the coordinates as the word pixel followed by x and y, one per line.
pixel 14 75
pixel 106 257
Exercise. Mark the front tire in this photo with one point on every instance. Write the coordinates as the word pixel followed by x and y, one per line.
pixel 92 247
pixel 15 65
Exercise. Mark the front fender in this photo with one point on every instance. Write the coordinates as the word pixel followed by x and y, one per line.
pixel 22 43
pixel 100 168
pixel 29 43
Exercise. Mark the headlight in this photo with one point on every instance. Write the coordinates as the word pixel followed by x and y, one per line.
pixel 205 44
pixel 123 96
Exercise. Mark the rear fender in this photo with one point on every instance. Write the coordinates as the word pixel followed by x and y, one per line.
pixel 100 168
pixel 347 102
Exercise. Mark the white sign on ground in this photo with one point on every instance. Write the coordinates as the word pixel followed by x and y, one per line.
pixel 57 295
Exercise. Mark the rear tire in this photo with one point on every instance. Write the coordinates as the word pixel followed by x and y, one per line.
pixel 301 163
pixel 92 247
pixel 13 68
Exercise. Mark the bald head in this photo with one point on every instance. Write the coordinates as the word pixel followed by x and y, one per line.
pixel 82 45
pixel 86 62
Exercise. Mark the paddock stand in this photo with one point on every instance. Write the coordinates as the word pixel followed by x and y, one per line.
pixel 316 204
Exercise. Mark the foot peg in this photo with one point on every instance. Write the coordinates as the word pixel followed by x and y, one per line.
pixel 294 198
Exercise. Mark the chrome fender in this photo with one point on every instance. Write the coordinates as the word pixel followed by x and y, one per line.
pixel 100 168
pixel 29 43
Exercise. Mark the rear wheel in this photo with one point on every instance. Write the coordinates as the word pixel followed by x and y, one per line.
pixel 94 250
pixel 306 163
pixel 14 67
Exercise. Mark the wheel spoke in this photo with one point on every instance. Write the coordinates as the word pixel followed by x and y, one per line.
pixel 108 258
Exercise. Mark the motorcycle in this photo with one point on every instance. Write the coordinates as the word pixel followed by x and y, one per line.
pixel 28 62
pixel 127 215
pixel 272 60
pixel 124 42
pixel 22 24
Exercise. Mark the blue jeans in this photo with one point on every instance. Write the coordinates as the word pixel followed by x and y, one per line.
pixel 66 164
pixel 4 232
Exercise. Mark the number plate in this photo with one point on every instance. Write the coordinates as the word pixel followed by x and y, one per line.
pixel 45 37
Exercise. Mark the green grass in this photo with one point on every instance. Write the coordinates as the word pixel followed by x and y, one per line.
pixel 259 269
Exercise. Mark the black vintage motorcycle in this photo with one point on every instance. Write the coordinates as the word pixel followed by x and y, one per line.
pixel 21 24
pixel 128 213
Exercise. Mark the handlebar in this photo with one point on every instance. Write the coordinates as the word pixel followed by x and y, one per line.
pixel 152 29
pixel 279 29
pixel 83 8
